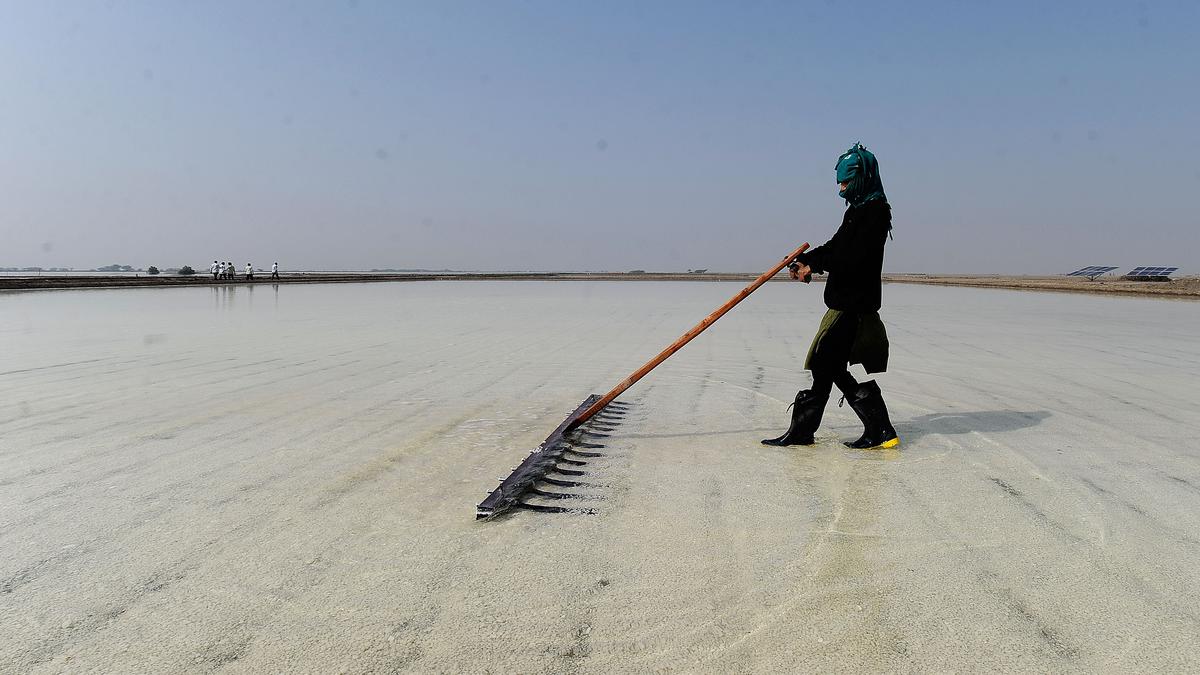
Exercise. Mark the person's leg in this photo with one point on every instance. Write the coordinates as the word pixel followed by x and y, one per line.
pixel 845 382
pixel 822 382
pixel 807 410
pixel 866 400
pixel 827 359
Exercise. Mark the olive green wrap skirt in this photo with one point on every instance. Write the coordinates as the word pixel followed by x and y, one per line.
pixel 849 337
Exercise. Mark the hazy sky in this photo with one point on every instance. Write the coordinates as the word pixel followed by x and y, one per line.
pixel 1024 137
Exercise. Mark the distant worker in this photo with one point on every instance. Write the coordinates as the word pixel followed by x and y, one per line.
pixel 230 271
pixel 851 331
pixel 214 269
pixel 249 272
pixel 221 275
pixel 275 270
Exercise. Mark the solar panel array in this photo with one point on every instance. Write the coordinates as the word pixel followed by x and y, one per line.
pixel 1152 271
pixel 1092 271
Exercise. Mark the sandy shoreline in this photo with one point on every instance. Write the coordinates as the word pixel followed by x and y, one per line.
pixel 1184 287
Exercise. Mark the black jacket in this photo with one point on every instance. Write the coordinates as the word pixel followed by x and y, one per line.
pixel 854 258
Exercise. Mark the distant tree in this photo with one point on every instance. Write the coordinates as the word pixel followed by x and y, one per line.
pixel 186 271
pixel 152 270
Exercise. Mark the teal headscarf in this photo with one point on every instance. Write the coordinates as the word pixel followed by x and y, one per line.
pixel 858 167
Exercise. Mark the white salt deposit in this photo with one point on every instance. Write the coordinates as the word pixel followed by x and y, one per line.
pixel 284 479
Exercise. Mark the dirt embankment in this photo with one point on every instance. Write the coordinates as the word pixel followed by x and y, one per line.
pixel 1186 287
pixel 76 282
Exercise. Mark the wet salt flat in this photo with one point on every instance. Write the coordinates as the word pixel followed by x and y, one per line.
pixel 279 479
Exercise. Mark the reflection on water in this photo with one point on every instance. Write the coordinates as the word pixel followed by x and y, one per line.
pixel 226 297
pixel 531 305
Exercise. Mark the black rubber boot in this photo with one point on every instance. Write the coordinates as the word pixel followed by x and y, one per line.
pixel 867 403
pixel 807 410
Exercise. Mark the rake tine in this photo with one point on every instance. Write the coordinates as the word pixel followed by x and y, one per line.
pixel 572 462
pixel 552 495
pixel 564 495
pixel 564 483
pixel 585 454
pixel 569 472
pixel 557 509
pixel 590 446
pixel 543 508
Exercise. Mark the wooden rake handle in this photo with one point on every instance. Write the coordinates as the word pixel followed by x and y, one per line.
pixel 684 339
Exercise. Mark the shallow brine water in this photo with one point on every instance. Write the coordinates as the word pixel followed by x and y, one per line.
pixel 279 478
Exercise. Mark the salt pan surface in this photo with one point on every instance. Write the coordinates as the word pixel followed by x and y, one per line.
pixel 284 479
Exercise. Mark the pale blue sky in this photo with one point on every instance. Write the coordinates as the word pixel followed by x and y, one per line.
pixel 1012 137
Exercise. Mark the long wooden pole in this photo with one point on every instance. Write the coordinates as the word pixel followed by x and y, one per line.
pixel 686 338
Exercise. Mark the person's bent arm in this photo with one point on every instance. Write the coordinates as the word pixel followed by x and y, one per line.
pixel 827 256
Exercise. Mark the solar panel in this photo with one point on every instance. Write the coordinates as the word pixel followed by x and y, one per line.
pixel 1155 271
pixel 1092 271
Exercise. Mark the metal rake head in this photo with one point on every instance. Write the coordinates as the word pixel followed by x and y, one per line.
pixel 556 463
